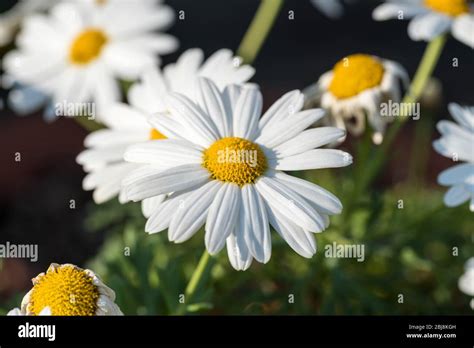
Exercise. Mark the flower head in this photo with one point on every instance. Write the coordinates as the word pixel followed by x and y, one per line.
pixel 222 166
pixel 127 124
pixel 355 88
pixel 77 52
pixel 456 143
pixel 68 290
pixel 432 18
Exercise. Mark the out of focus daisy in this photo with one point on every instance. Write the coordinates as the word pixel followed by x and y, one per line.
pixel 331 8
pixel 457 143
pixel 68 290
pixel 355 88
pixel 430 18
pixel 77 52
pixel 128 124
pixel 222 165
pixel 466 281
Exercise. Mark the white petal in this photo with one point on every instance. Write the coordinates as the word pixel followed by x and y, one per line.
pixel 163 213
pixel 68 18
pixel 331 8
pixel 239 255
pixel 147 181
pixel 253 224
pixel 14 312
pixel 231 94
pixel 222 217
pixel 45 311
pixel 286 105
pixel 107 181
pixel 199 124
pixel 466 283
pixel 101 156
pixel 212 102
pixel 126 62
pixel 391 10
pixel 32 68
pixel 224 69
pixel 192 213
pixel 456 195
pixel 106 89
pixel 463 29
pixel 181 76
pixel 169 126
pixel 457 174
pixel 322 200
pixel 427 26
pixel 123 117
pixel 247 113
pixel 149 205
pixel 273 135
pixel 314 159
pixel 448 128
pixel 133 22
pixel 148 94
pixel 164 153
pixel 299 240
pixel 463 116
pixel 309 139
pixel 107 137
pixel 290 204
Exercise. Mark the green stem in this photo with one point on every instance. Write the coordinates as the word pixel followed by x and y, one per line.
pixel 425 69
pixel 197 275
pixel 422 75
pixel 259 30
pixel 196 280
pixel 248 50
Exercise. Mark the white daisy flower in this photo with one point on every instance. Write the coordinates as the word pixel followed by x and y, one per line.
pixel 222 166
pixel 68 290
pixel 431 18
pixel 457 143
pixel 356 87
pixel 466 281
pixel 76 53
pixel 128 124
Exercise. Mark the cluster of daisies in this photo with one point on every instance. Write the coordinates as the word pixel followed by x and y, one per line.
pixel 192 143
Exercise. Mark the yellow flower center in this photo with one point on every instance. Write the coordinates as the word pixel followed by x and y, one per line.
pixel 156 135
pixel 87 46
pixel 449 7
pixel 66 290
pixel 354 74
pixel 100 2
pixel 235 160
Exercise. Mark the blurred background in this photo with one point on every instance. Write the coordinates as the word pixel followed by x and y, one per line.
pixel 408 251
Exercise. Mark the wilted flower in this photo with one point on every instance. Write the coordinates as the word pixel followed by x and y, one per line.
pixel 355 89
pixel 68 290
